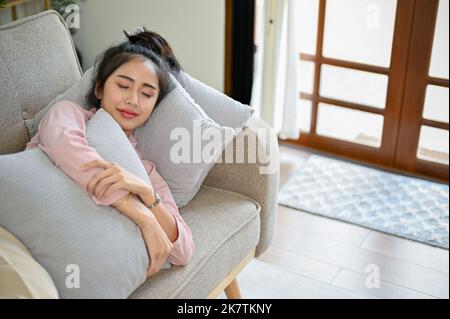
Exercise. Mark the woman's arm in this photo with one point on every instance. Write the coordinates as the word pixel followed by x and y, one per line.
pixel 158 244
pixel 134 209
pixel 165 218
pixel 166 213
pixel 62 136
pixel 169 217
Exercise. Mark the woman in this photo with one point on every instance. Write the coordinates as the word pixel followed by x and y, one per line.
pixel 129 81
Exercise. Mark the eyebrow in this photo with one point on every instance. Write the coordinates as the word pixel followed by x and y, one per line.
pixel 132 80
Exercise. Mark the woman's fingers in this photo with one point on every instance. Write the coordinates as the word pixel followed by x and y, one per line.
pixel 155 265
pixel 112 188
pixel 93 183
pixel 151 271
pixel 158 260
pixel 105 184
pixel 158 246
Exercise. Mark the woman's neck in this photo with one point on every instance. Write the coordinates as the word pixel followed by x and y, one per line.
pixel 128 132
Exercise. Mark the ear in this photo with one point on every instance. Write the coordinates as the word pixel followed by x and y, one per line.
pixel 98 91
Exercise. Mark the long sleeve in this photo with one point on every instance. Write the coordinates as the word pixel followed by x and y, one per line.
pixel 184 247
pixel 62 136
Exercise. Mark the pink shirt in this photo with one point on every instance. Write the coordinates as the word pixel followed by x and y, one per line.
pixel 62 136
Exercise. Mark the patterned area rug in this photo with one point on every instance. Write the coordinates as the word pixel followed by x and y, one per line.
pixel 402 206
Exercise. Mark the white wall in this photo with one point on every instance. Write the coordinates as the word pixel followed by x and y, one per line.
pixel 195 29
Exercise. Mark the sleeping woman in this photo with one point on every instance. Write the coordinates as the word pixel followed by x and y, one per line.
pixel 129 81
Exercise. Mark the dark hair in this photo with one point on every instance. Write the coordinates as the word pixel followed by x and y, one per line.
pixel 118 55
pixel 153 41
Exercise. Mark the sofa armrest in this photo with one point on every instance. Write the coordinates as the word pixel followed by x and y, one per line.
pixel 251 166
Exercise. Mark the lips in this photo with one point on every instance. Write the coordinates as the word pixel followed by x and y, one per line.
pixel 127 114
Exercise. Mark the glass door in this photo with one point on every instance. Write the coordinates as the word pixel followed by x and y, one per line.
pixel 356 69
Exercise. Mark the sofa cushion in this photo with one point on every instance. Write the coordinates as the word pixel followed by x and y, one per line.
pixel 76 93
pixel 66 232
pixel 183 141
pixel 38 66
pixel 20 275
pixel 221 108
pixel 225 226
pixel 13 133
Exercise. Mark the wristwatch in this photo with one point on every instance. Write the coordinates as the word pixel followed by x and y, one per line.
pixel 156 202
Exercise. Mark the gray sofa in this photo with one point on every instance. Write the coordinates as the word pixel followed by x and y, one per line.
pixel 233 215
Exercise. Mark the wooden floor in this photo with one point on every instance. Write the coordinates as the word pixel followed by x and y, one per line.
pixel 316 257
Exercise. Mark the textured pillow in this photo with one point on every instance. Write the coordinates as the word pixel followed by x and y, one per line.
pixel 179 138
pixel 76 93
pixel 20 275
pixel 219 107
pixel 65 230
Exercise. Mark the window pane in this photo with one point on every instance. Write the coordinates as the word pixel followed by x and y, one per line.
pixel 307 12
pixel 350 125
pixel 360 30
pixel 436 104
pixel 306 76
pixel 433 145
pixel 439 58
pixel 354 86
pixel 304 116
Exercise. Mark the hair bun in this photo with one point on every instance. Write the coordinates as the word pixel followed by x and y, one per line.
pixel 134 37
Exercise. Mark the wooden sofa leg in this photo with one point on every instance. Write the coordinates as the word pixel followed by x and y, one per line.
pixel 229 283
pixel 232 290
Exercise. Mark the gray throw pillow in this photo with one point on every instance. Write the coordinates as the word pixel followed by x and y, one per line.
pixel 76 93
pixel 183 142
pixel 65 231
pixel 219 107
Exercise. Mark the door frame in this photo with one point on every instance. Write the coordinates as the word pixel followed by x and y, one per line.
pixel 417 80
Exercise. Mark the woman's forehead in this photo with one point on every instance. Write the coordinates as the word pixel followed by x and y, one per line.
pixel 139 70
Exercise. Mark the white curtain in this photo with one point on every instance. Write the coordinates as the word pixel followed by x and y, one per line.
pixel 276 91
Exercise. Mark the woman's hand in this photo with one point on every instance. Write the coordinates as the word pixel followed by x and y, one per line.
pixel 158 245
pixel 112 178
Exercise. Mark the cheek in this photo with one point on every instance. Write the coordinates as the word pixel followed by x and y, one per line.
pixel 149 106
pixel 117 96
pixel 112 95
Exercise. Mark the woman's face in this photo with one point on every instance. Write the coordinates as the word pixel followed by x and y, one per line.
pixel 130 93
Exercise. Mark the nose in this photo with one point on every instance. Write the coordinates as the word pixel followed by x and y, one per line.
pixel 132 98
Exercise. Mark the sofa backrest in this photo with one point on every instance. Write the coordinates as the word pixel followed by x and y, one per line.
pixel 37 62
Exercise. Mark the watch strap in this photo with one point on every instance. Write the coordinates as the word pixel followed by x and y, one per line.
pixel 156 202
